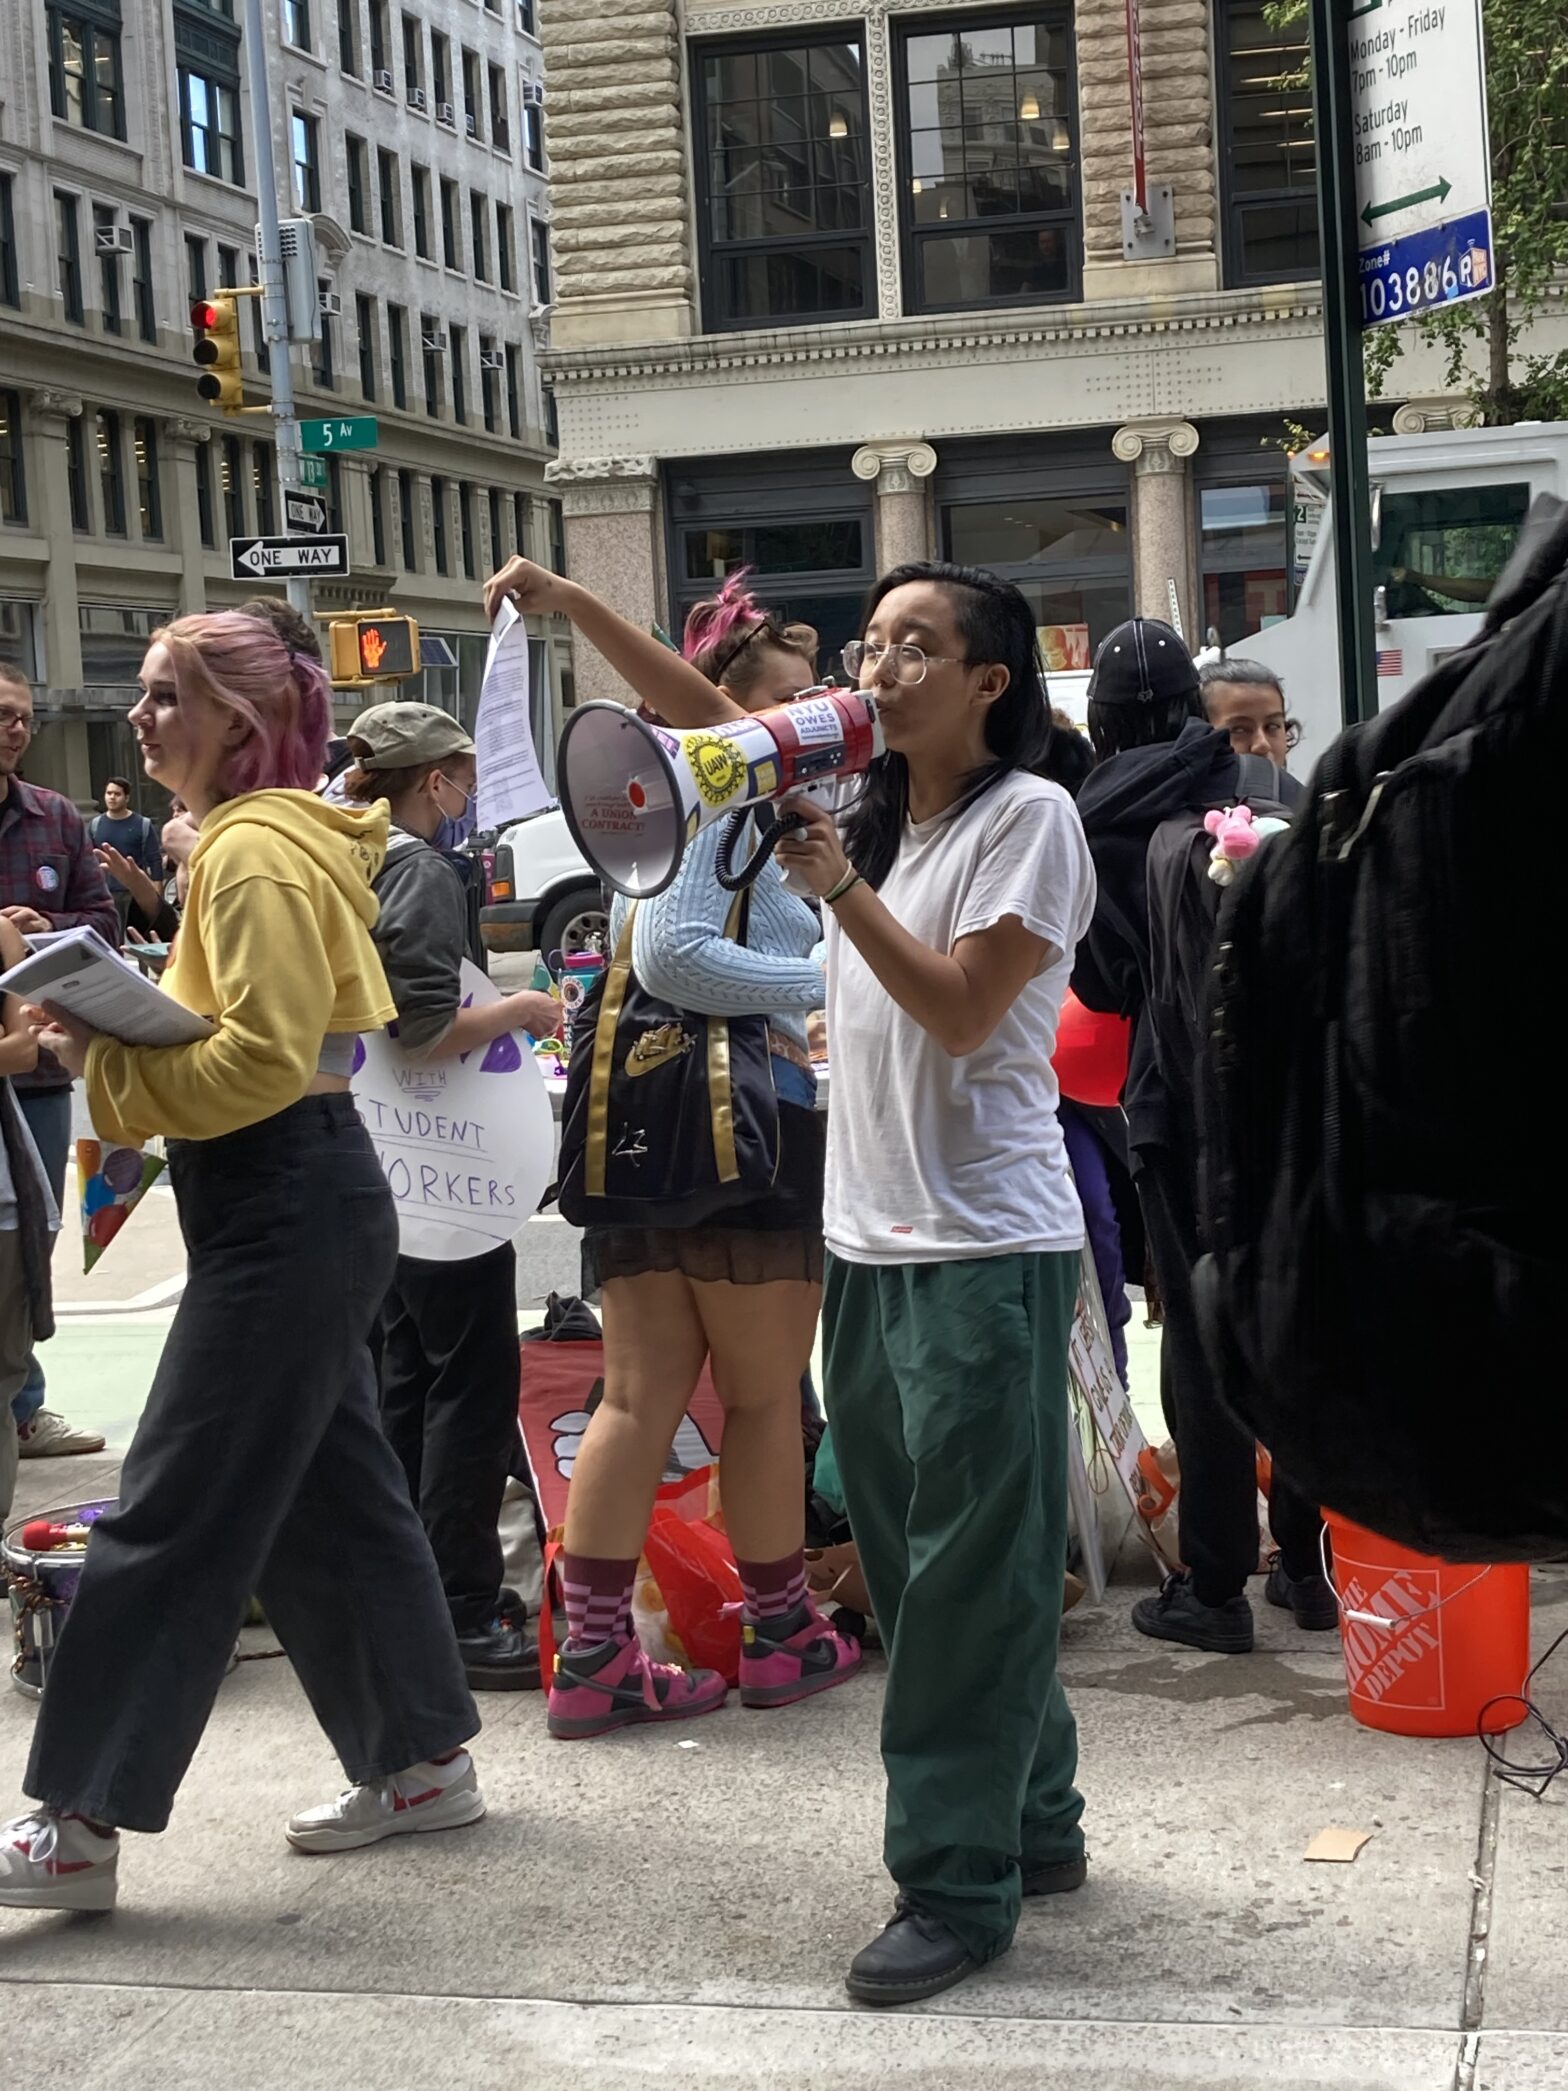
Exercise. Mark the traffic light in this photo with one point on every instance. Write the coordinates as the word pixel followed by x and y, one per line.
pixel 215 322
pixel 376 646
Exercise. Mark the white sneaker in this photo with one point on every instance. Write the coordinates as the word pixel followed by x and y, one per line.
pixel 425 1797
pixel 49 1436
pixel 50 1861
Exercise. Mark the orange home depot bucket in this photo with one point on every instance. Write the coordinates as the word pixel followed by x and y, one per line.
pixel 1428 1643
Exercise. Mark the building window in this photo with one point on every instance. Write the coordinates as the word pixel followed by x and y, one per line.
pixel 405 514
pixel 552 419
pixel 1241 553
pixel 784 193
pixel 85 86
pixel 500 129
pixel 1066 548
pixel 68 245
pixel 305 148
pixel 111 471
pixel 539 245
pixel 76 474
pixel 205 523
pixel 387 191
pixel 335 494
pixel 376 487
pixel 533 135
pixel 210 125
pixel 365 327
pixel 457 356
pixel 325 368
pixel 987 170
pixel 465 527
pixel 10 274
pixel 505 248
pixel 397 353
pixel 348 37
pixel 149 492
pixel 451 239
pixel 413 56
pixel 521 519
pixel 380 40
pixel 13 479
pixel 228 268
pixel 438 525
pixel 488 388
pixel 1268 161
pixel 231 479
pixel 497 549
pixel 195 267
pixel 441 75
pixel 106 236
pixel 357 156
pixel 473 107
pixel 514 401
pixel 264 479
pixel 478 227
pixel 419 181
pixel 525 18
pixel 296 23
pixel 557 537
pixel 141 279
pixel 432 342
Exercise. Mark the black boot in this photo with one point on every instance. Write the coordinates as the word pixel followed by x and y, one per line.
pixel 1177 1615
pixel 1057 1876
pixel 1310 1598
pixel 916 1956
pixel 499 1658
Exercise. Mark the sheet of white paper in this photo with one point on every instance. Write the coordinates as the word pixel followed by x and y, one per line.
pixel 510 786
pixel 78 970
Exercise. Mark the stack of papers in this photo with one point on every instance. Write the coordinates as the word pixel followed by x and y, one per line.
pixel 81 974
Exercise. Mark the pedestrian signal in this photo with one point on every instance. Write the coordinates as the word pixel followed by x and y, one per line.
pixel 380 647
pixel 216 325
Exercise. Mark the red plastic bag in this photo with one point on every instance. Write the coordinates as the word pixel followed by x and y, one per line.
pixel 689 1559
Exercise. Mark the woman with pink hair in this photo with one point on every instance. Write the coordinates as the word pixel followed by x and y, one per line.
pixel 259 1464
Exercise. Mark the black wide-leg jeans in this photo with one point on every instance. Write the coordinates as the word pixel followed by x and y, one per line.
pixel 259 1466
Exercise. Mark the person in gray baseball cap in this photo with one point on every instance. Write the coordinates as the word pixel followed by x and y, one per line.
pixel 449 1330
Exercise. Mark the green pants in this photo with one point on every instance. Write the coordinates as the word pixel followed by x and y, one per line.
pixel 946 1388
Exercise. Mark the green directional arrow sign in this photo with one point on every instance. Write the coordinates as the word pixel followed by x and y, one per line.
pixel 359 432
pixel 1439 192
pixel 1370 7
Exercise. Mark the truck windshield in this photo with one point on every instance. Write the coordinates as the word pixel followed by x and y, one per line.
pixel 1441 551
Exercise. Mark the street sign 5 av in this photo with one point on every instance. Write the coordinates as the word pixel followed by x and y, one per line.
pixel 303 511
pixel 258 558
pixel 355 432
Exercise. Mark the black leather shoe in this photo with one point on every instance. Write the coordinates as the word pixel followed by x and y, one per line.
pixel 1310 1598
pixel 1176 1615
pixel 1057 1876
pixel 916 1956
pixel 498 1658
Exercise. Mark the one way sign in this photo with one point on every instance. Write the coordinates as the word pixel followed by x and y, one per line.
pixel 260 558
pixel 303 510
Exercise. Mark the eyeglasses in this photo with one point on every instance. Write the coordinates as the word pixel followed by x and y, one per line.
pixel 909 663
pixel 10 720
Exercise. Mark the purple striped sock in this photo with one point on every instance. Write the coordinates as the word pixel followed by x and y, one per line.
pixel 598 1597
pixel 773 1588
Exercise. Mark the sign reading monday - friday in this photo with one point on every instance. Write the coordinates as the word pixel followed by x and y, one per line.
pixel 1423 167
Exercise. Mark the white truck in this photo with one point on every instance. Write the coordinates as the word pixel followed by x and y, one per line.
pixel 1446 513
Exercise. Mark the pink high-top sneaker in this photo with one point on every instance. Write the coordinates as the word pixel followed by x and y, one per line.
pixel 782 1660
pixel 615 1686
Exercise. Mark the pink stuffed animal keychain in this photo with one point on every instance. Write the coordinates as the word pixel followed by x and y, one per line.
pixel 1236 835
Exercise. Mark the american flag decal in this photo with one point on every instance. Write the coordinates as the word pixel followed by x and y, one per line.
pixel 1391 661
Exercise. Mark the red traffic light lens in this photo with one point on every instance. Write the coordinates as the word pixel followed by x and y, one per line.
pixel 204 315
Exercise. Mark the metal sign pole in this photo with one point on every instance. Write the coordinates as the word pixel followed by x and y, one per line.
pixel 1350 484
pixel 274 306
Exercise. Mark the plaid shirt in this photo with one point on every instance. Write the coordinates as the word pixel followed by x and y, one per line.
pixel 47 863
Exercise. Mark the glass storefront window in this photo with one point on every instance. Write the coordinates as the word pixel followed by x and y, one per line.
pixel 1070 556
pixel 1241 558
pixel 19 636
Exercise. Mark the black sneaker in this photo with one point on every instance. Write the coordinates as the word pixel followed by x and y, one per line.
pixel 915 1957
pixel 1057 1876
pixel 1176 1615
pixel 498 1658
pixel 1310 1598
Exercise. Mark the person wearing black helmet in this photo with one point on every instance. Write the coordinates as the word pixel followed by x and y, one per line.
pixel 1161 761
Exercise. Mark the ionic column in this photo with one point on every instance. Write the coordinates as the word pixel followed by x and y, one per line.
pixel 183 437
pixel 1158 450
pixel 610 508
pixel 899 467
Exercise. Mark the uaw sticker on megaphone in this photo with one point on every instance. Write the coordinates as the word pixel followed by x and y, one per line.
pixel 635 794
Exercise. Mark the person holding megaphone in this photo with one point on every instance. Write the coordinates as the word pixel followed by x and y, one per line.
pixel 956 885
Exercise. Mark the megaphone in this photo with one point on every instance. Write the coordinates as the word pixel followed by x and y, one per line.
pixel 635 794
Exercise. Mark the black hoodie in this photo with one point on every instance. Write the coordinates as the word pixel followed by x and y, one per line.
pixel 1121 804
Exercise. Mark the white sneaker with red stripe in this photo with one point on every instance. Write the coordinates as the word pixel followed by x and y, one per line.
pixel 425 1797
pixel 50 1861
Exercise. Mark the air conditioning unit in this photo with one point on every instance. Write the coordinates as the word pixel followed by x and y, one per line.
pixel 469 124
pixel 112 239
pixel 492 359
pixel 329 304
pixel 533 91
pixel 416 97
pixel 445 113
pixel 433 343
pixel 381 80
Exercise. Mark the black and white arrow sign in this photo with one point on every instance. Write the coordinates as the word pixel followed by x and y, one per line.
pixel 256 558
pixel 304 510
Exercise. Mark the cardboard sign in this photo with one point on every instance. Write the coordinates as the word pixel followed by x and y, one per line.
pixel 1098 1393
pixel 467 1143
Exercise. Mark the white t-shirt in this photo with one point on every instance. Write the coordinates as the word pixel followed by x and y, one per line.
pixel 932 1158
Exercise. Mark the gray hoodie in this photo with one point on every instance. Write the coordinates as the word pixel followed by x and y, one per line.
pixel 422 938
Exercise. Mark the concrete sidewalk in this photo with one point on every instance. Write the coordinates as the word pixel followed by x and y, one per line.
pixel 677 1906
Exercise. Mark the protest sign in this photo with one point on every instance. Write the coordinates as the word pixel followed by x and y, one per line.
pixel 510 784
pixel 467 1143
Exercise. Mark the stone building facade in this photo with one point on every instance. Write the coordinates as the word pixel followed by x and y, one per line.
pixel 412 134
pixel 841 282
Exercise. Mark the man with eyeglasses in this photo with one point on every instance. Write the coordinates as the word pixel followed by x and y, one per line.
pixel 49 879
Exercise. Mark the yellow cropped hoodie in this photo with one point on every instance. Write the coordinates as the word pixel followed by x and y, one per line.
pixel 275 947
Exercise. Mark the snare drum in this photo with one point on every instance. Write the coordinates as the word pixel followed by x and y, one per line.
pixel 42 1586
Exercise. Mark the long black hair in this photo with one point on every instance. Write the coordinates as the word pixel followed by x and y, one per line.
pixel 996 624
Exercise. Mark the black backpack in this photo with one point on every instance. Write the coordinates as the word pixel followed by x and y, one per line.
pixel 1379 1103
